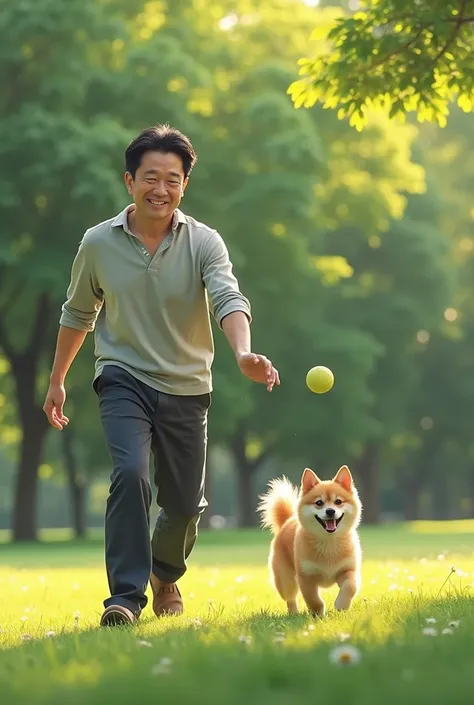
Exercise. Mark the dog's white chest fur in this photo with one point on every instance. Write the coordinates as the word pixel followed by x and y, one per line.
pixel 327 574
pixel 311 568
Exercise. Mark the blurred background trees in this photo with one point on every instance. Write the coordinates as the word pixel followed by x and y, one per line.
pixel 355 247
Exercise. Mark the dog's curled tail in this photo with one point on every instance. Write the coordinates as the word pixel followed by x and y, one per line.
pixel 278 504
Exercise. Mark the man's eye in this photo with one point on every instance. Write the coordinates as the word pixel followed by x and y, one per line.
pixel 319 503
pixel 338 501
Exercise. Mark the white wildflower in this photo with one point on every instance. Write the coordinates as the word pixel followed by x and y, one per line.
pixel 162 668
pixel 142 642
pixel 26 637
pixel 429 631
pixel 345 656
pixel 245 639
pixel 431 620
pixel 50 633
pixel 343 636
pixel 447 631
pixel 454 623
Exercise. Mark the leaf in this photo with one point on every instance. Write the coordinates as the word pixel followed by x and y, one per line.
pixel 465 103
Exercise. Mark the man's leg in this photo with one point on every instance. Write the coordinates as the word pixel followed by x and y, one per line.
pixel 126 407
pixel 180 443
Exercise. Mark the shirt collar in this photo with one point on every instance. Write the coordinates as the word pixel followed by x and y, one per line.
pixel 121 219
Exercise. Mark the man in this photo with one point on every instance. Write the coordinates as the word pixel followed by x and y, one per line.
pixel 144 281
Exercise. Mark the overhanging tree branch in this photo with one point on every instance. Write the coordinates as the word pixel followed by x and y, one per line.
pixel 457 27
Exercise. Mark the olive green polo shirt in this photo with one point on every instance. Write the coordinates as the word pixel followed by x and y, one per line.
pixel 151 314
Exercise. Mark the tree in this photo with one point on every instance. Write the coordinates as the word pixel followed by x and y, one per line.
pixel 441 416
pixel 65 158
pixel 317 212
pixel 396 55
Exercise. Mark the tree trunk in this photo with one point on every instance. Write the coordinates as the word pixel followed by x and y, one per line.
pixel 26 485
pixel 34 424
pixel 414 479
pixel 411 501
pixel 368 482
pixel 470 490
pixel 34 427
pixel 441 497
pixel 247 515
pixel 245 472
pixel 77 486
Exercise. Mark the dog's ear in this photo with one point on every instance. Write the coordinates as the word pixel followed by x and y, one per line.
pixel 344 478
pixel 309 480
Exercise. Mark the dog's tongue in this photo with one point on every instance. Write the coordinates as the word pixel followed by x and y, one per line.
pixel 330 525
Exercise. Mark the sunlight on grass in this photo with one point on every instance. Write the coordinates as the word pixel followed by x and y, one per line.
pixel 235 642
pixel 463 526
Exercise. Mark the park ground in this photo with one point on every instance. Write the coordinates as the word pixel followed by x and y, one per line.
pixel 409 636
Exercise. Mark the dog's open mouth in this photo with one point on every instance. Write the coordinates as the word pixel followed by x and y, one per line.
pixel 330 525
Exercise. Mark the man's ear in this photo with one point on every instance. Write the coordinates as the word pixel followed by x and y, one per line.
pixel 127 177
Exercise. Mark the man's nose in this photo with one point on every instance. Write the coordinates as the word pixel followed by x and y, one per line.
pixel 160 189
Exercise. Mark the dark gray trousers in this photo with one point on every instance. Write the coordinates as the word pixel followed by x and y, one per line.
pixel 137 419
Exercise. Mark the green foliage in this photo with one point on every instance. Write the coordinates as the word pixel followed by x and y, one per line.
pixel 340 241
pixel 397 56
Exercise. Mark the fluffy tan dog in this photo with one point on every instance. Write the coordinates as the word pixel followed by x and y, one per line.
pixel 316 544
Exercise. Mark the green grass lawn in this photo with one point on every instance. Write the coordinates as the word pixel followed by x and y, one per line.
pixel 235 643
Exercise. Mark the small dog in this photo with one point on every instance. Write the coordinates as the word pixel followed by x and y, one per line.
pixel 316 543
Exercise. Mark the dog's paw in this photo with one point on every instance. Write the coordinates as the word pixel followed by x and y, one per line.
pixel 342 604
pixel 318 610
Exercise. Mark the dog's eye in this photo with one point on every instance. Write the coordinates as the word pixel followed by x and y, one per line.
pixel 338 501
pixel 319 503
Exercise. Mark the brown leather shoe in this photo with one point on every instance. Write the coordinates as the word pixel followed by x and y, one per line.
pixel 117 615
pixel 167 598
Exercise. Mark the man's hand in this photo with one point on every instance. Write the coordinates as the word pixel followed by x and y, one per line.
pixel 53 406
pixel 259 369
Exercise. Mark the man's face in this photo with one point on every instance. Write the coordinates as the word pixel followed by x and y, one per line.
pixel 158 185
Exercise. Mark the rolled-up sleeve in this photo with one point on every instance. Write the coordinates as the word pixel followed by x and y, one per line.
pixel 220 281
pixel 84 296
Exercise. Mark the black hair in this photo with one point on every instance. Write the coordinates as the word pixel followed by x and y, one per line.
pixel 160 138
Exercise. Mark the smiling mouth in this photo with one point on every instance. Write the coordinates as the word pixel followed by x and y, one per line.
pixel 156 203
pixel 330 525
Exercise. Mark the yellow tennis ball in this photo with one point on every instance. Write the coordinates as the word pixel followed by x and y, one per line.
pixel 320 379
